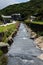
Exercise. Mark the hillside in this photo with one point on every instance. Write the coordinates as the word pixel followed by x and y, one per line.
pixel 26 9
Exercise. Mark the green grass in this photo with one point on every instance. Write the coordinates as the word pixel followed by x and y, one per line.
pixel 40 33
pixel 27 21
pixel 37 22
pixel 6 28
pixel 7 31
pixel 1 53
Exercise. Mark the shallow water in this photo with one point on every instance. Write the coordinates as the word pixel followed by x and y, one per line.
pixel 23 50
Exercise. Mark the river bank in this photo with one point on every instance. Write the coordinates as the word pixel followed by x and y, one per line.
pixel 4 46
pixel 6 37
pixel 38 41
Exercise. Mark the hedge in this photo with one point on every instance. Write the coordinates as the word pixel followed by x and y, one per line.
pixel 36 27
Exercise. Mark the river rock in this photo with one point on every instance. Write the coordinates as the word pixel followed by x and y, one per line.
pixel 40 56
pixel 39 39
pixel 40 46
pixel 33 35
pixel 39 42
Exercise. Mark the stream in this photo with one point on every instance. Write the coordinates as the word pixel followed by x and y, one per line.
pixel 23 50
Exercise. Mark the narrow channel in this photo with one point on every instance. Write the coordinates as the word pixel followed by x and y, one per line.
pixel 23 50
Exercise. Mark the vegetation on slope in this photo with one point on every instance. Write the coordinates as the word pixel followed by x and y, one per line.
pixel 7 30
pixel 37 22
pixel 26 9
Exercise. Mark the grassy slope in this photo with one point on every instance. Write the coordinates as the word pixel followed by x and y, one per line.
pixel 8 27
pixel 28 8
pixel 37 22
pixel 7 31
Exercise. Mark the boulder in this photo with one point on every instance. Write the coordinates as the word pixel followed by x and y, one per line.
pixel 39 39
pixel 40 45
pixel 39 42
pixel 40 57
pixel 33 35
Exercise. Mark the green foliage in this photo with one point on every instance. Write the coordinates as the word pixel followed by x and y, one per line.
pixel 7 31
pixel 26 9
pixel 6 28
pixel 40 33
pixel 3 60
pixel 27 21
pixel 1 53
pixel 1 17
pixel 37 22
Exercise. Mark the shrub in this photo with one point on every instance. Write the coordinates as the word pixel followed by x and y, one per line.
pixel 1 53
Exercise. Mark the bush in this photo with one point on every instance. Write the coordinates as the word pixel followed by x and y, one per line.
pixel 40 33
pixel 1 53
pixel 36 27
pixel 4 60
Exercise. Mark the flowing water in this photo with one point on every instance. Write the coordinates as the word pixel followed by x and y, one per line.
pixel 23 50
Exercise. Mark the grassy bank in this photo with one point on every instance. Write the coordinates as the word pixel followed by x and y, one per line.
pixel 10 27
pixel 36 26
pixel 37 22
pixel 27 21
pixel 3 58
pixel 7 30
